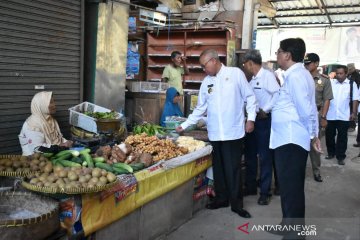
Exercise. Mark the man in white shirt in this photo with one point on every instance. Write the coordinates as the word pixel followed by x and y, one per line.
pixel 265 86
pixel 294 123
pixel 340 114
pixel 223 94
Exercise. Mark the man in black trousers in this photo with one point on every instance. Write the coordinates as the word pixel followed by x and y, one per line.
pixel 342 110
pixel 222 96
pixel 294 125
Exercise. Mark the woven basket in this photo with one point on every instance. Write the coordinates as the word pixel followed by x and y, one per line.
pixel 13 174
pixel 24 215
pixel 51 190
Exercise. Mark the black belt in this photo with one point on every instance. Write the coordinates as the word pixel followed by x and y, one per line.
pixel 267 115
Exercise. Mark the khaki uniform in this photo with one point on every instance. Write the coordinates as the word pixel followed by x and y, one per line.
pixel 323 92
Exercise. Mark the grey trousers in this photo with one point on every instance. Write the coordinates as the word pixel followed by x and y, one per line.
pixel 315 156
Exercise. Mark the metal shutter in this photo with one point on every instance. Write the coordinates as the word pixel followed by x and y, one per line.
pixel 40 44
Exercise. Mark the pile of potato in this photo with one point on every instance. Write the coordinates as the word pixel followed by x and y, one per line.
pixel 32 163
pixel 59 177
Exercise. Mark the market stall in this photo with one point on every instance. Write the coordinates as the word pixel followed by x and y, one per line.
pixel 100 186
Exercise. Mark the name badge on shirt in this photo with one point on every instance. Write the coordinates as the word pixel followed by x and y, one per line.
pixel 210 86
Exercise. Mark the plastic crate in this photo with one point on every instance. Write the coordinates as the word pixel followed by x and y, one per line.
pixel 78 119
pixel 153 87
pixel 133 86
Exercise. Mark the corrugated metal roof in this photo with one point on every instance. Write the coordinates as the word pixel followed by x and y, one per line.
pixel 291 13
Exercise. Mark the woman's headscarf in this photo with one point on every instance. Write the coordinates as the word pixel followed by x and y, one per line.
pixel 41 120
pixel 170 108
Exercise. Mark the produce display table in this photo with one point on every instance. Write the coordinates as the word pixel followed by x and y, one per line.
pixel 151 184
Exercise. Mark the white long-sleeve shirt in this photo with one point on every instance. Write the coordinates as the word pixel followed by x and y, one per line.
pixel 294 117
pixel 223 97
pixel 340 105
pixel 265 86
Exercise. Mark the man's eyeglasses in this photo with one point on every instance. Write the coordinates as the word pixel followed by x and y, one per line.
pixel 203 66
pixel 279 51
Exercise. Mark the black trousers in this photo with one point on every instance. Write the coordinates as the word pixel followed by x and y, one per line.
pixel 339 128
pixel 290 161
pixel 227 172
pixel 358 130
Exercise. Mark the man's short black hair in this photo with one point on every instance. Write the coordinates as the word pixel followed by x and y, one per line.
pixel 175 53
pixel 296 47
pixel 343 67
pixel 253 55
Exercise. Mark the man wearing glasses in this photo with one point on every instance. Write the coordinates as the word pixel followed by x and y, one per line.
pixel 223 94
pixel 294 127
pixel 323 95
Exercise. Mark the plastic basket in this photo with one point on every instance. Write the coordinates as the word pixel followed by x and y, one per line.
pixel 78 119
pixel 172 124
pixel 153 87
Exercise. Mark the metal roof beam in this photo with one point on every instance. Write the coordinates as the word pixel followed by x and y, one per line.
pixel 315 8
pixel 313 15
pixel 308 25
pixel 326 11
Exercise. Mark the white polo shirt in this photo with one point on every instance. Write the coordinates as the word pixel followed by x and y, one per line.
pixel 265 86
pixel 340 105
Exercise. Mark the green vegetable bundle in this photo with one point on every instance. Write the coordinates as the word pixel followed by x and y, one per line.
pixel 102 115
pixel 149 129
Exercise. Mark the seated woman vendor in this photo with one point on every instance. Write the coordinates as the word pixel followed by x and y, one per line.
pixel 41 129
pixel 171 106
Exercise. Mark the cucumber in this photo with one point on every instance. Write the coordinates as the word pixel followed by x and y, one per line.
pixel 137 166
pixel 99 159
pixel 119 171
pixel 64 156
pixel 67 163
pixel 104 166
pixel 74 153
pixel 86 150
pixel 77 160
pixel 48 155
pixel 124 166
pixel 84 155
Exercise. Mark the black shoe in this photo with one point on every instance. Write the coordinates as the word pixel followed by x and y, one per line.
pixel 263 200
pixel 318 178
pixel 351 129
pixel 216 205
pixel 329 157
pixel 341 162
pixel 242 212
pixel 277 232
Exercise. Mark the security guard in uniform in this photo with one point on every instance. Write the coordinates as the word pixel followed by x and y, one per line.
pixel 323 95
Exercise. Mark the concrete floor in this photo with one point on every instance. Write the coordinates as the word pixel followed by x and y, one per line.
pixel 333 206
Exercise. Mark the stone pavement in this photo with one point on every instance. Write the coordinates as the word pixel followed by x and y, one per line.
pixel 332 207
